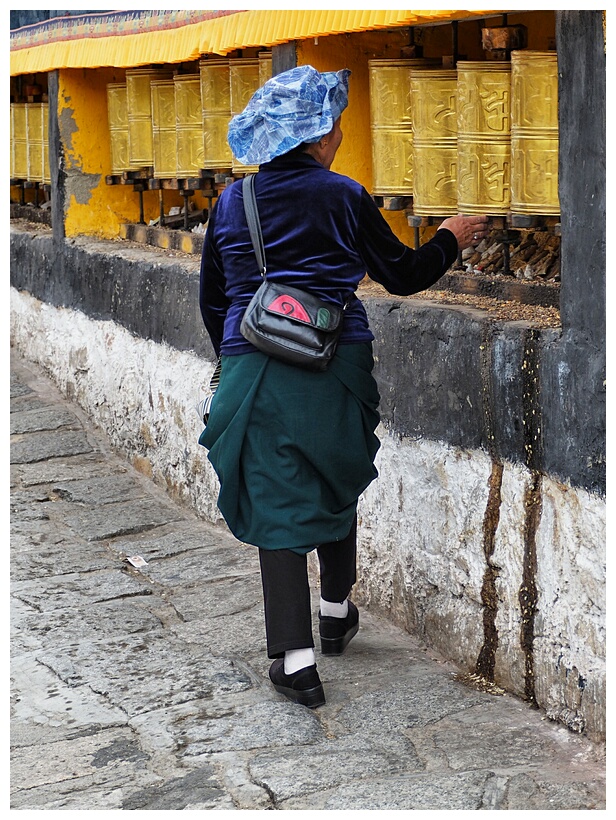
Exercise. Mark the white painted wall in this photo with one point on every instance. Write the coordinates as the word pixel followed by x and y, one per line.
pixel 421 557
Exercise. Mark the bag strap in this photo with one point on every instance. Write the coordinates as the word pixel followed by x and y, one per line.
pixel 254 223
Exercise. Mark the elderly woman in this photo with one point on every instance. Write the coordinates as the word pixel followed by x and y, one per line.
pixel 294 449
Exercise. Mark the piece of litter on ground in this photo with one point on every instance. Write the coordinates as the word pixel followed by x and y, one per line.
pixel 137 561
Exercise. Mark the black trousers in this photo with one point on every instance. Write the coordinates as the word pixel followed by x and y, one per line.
pixel 286 591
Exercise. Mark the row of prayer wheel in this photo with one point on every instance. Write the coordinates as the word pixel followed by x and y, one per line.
pixel 178 124
pixel 482 138
pixel 29 142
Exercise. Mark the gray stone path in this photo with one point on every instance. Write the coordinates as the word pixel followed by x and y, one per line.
pixel 146 687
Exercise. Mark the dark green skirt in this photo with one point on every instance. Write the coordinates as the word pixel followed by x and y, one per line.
pixel 293 450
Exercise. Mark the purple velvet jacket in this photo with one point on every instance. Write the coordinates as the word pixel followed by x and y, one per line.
pixel 322 232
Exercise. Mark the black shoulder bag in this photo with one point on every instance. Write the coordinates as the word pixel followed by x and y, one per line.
pixel 284 322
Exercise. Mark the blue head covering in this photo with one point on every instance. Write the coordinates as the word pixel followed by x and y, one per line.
pixel 297 106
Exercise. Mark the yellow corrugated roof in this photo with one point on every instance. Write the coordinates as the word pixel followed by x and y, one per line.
pixel 124 39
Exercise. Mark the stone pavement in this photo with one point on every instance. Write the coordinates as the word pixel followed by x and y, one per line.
pixel 145 687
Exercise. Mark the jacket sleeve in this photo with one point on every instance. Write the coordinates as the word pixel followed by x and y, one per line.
pixel 401 269
pixel 213 300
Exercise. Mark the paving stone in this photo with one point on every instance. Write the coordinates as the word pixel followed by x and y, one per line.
pixel 108 757
pixel 257 726
pixel 309 770
pixel 19 388
pixel 87 465
pixel 99 489
pixel 197 790
pixel 125 667
pixel 121 518
pixel 52 418
pixel 36 447
pixel 53 710
pixel 419 792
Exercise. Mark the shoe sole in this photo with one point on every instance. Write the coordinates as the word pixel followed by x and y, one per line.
pixel 336 646
pixel 306 697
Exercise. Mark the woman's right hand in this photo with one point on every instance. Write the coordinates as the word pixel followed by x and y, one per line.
pixel 468 230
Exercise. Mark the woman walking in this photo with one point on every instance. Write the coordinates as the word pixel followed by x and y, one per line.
pixel 294 449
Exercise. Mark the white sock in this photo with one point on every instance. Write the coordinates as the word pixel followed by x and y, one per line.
pixel 333 610
pixel 295 659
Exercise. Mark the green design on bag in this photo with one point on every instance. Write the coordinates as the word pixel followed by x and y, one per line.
pixel 323 315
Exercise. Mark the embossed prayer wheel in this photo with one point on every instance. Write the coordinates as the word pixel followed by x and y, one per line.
pixel 435 150
pixel 484 137
pixel 244 81
pixel 139 103
pixel 216 112
pixel 534 133
pixel 189 124
pixel 35 136
pixel 117 114
pixel 19 142
pixel 391 125
pixel 164 139
pixel 46 168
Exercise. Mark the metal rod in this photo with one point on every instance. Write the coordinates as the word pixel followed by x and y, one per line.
pixel 506 253
pixel 141 216
pixel 185 210
pixel 454 41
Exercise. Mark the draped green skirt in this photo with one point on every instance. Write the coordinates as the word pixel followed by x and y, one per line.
pixel 293 449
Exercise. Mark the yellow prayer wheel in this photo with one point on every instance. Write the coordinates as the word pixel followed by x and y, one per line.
pixel 19 142
pixel 534 133
pixel 34 135
pixel 139 102
pixel 164 139
pixel 117 114
pixel 244 81
pixel 216 107
pixel 484 137
pixel 46 168
pixel 435 152
pixel 391 125
pixel 265 67
pixel 189 124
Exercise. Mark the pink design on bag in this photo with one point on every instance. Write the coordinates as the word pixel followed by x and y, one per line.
pixel 289 306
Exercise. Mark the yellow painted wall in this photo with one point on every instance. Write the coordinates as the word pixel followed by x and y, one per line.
pixel 94 208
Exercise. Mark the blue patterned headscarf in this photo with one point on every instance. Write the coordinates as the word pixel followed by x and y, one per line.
pixel 297 106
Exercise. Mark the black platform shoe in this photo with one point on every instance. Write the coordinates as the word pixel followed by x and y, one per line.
pixel 303 686
pixel 337 632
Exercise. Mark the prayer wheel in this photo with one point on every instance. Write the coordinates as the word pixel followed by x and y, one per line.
pixel 46 168
pixel 34 136
pixel 244 81
pixel 139 102
pixel 189 124
pixel 484 137
pixel 19 142
pixel 216 112
pixel 164 140
pixel 391 125
pixel 117 114
pixel 435 154
pixel 534 133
